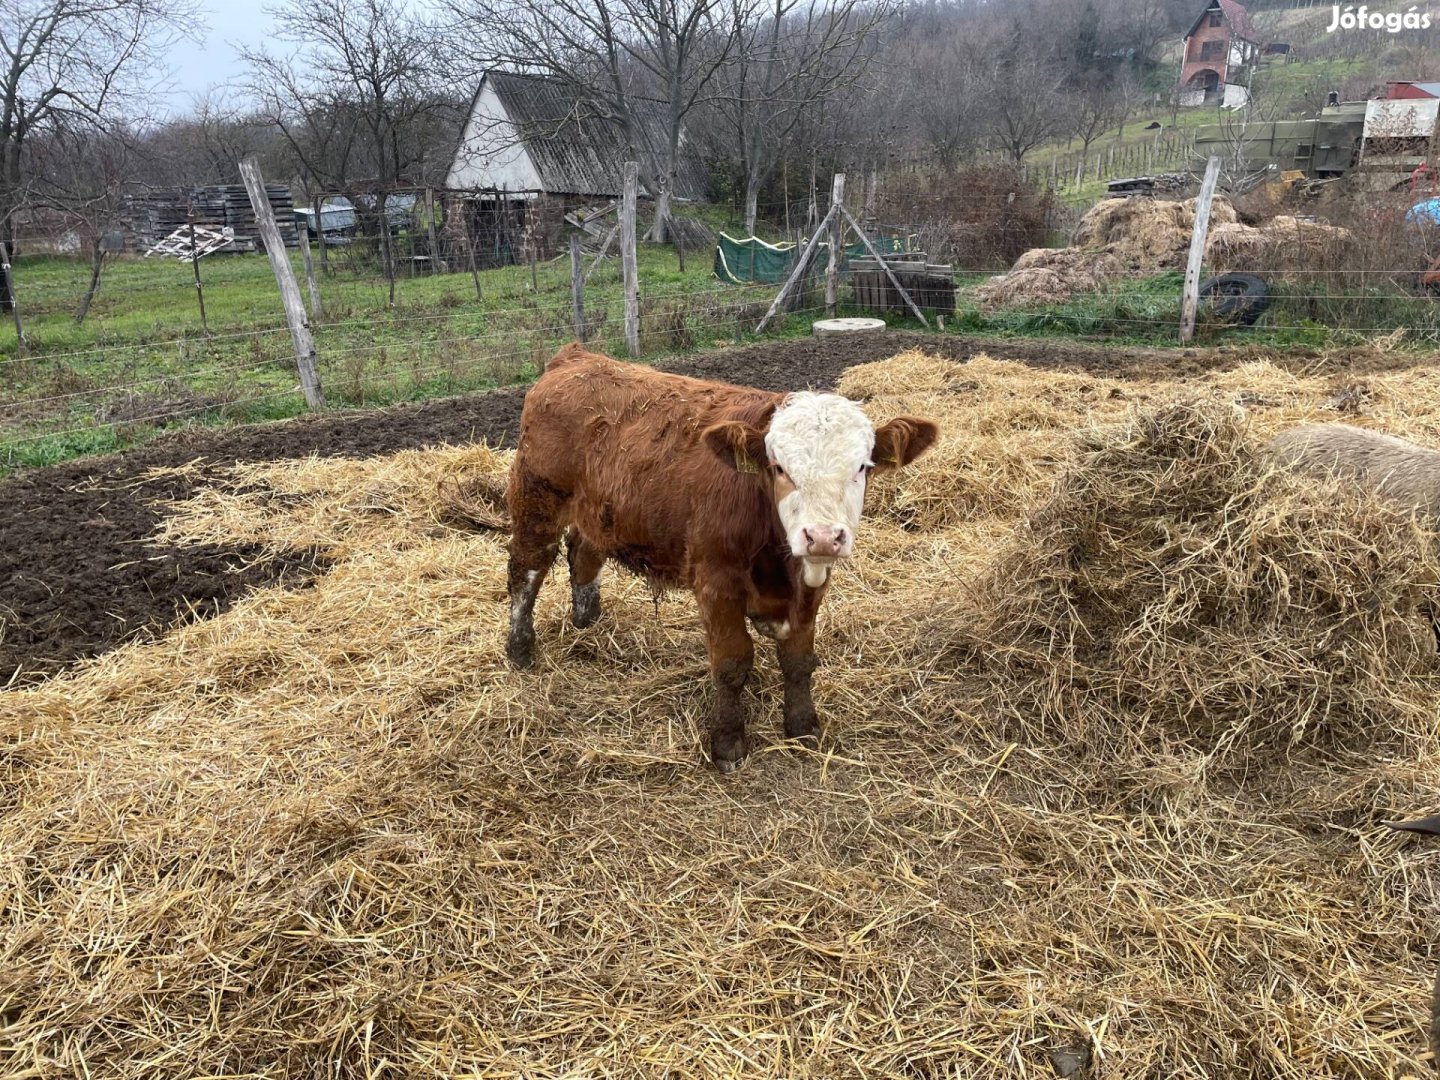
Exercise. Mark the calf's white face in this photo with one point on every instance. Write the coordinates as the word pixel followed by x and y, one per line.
pixel 818 452
pixel 820 447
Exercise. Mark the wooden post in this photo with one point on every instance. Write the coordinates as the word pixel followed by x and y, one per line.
pixel 837 236
pixel 470 251
pixel 577 288
pixel 1190 297
pixel 627 257
pixel 195 265
pixel 386 255
pixel 530 244
pixel 609 239
pixel 316 311
pixel 801 265
pixel 435 261
pixel 285 279
pixel 886 267
pixel 320 235
pixel 20 341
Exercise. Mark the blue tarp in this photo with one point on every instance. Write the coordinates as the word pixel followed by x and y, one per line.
pixel 1424 213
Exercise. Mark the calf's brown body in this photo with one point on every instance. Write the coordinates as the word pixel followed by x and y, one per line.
pixel 657 472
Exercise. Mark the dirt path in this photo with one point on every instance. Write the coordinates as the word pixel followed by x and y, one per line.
pixel 77 576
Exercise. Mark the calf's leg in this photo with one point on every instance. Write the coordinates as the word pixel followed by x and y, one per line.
pixel 732 655
pixel 536 518
pixel 585 562
pixel 796 652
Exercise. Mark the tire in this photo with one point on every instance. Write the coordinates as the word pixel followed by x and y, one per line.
pixel 1236 298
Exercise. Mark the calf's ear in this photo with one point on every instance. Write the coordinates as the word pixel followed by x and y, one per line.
pixel 737 444
pixel 902 440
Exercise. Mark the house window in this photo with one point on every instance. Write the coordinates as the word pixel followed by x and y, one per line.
pixel 1216 19
pixel 1304 150
pixel 1212 50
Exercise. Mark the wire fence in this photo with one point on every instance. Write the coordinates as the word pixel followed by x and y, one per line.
pixel 145 357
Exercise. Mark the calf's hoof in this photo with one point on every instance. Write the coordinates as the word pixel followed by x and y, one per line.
pixel 804 729
pixel 728 750
pixel 585 605
pixel 520 650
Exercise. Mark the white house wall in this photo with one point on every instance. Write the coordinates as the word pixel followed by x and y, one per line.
pixel 1235 96
pixel 1400 119
pixel 491 154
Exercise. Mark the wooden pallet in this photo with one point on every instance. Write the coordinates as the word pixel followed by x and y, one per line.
pixel 188 243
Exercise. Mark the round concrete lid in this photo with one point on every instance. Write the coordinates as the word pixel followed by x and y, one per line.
pixel 847 326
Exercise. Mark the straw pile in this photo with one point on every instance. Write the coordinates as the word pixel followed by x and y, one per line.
pixel 1116 238
pixel 1170 580
pixel 328 833
pixel 1234 246
pixel 1043 275
pixel 1146 234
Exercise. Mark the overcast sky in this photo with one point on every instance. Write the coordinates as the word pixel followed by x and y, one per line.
pixel 195 67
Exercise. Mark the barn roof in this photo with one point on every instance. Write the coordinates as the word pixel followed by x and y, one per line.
pixel 575 147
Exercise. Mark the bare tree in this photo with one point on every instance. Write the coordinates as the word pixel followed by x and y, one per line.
pixel 1095 107
pixel 206 145
pixel 361 103
pixel 941 92
pixel 1022 108
pixel 612 56
pixel 71 64
pixel 789 58
pixel 83 174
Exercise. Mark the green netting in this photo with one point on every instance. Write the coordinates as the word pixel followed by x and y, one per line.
pixel 752 259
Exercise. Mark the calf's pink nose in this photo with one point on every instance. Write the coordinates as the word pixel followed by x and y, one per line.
pixel 823 541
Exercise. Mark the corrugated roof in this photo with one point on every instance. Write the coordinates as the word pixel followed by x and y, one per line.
pixel 575 149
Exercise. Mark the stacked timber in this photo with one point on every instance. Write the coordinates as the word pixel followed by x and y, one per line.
pixel 155 213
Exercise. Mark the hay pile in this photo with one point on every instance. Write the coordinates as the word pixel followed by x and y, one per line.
pixel 1119 238
pixel 1145 234
pixel 1235 246
pixel 1116 238
pixel 329 833
pixel 1171 581
pixel 1044 275
pixel 1005 433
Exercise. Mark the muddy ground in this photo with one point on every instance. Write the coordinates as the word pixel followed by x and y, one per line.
pixel 77 575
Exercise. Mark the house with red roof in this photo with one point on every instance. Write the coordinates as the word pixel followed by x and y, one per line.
pixel 1220 51
pixel 1411 91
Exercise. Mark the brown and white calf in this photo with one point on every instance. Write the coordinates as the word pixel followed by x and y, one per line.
pixel 747 497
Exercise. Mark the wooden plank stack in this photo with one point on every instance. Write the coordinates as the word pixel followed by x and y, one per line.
pixel 155 213
pixel 932 285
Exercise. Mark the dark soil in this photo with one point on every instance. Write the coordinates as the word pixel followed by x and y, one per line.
pixel 78 575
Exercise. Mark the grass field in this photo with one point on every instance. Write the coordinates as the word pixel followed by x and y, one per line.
pixel 142 361
pixel 142 358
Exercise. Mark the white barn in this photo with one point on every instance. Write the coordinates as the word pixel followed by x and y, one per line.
pixel 532 135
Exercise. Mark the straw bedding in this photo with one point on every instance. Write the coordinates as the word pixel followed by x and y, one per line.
pixel 1112 723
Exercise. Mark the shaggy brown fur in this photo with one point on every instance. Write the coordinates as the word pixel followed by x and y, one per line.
pixel 668 476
